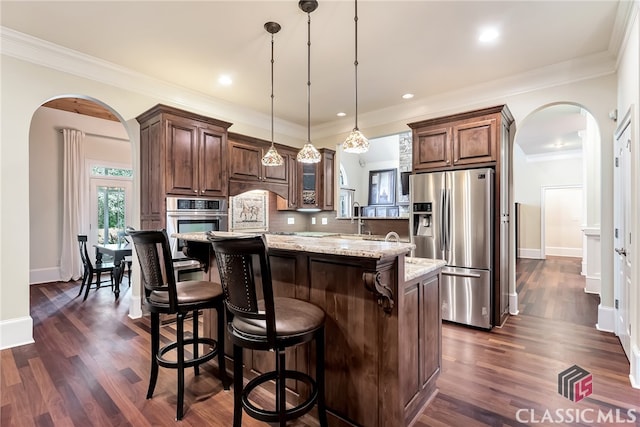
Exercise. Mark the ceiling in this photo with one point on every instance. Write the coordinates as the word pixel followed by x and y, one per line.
pixel 427 48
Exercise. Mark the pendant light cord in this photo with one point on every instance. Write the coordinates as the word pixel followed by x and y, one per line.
pixel 355 63
pixel 272 89
pixel 309 77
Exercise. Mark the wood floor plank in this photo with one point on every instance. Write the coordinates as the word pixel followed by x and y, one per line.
pixel 89 364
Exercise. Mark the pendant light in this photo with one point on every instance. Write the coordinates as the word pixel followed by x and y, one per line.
pixel 272 157
pixel 356 142
pixel 308 153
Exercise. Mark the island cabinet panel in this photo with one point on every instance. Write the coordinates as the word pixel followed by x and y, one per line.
pixel 382 352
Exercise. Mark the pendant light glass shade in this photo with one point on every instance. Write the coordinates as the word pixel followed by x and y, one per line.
pixel 272 157
pixel 308 153
pixel 356 142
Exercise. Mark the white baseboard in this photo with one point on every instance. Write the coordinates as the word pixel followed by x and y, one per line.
pixel 592 285
pixel 513 304
pixel 606 319
pixel 16 332
pixel 559 251
pixel 135 306
pixel 529 253
pixel 634 374
pixel 44 275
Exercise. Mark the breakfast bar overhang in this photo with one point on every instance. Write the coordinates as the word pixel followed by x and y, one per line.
pixel 383 324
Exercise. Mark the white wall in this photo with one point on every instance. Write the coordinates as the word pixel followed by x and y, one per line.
pixel 562 221
pixel 528 179
pixel 628 96
pixel 45 175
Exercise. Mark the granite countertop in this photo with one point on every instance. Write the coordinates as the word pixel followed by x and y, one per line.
pixel 416 267
pixel 334 245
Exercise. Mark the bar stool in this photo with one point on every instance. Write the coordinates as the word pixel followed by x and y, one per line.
pixel 268 324
pixel 164 295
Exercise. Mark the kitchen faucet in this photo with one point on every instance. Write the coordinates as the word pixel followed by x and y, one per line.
pixel 390 235
pixel 357 217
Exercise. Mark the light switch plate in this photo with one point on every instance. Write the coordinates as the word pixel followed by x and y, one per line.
pixel 313 220
pixel 291 220
pixel 324 221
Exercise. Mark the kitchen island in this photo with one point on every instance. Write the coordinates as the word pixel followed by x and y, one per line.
pixel 383 325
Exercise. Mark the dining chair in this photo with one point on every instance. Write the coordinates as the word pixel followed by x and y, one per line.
pixel 261 322
pixel 164 295
pixel 91 268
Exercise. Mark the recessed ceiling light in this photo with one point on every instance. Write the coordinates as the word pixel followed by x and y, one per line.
pixel 225 80
pixel 488 35
pixel 341 114
pixel 407 96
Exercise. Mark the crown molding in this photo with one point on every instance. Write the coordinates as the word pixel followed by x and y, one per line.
pixel 41 52
pixel 559 155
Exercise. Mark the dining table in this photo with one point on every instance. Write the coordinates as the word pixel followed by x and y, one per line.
pixel 118 251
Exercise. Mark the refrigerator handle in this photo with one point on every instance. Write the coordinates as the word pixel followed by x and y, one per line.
pixel 441 220
pixel 447 225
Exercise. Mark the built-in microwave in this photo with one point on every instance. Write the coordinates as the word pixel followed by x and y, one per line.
pixel 189 215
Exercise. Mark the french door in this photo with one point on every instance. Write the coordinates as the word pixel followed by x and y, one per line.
pixel 110 209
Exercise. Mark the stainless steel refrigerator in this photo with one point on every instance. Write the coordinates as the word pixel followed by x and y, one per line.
pixel 452 219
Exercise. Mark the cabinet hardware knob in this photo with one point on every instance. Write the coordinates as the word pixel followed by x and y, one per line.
pixel 195 191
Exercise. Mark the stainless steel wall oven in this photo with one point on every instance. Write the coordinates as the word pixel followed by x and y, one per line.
pixel 188 215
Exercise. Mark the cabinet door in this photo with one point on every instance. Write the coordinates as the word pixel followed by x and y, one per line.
pixel 327 178
pixel 432 147
pixel 308 185
pixel 277 174
pixel 293 170
pixel 430 320
pixel 152 205
pixel 182 158
pixel 474 141
pixel 212 165
pixel 245 161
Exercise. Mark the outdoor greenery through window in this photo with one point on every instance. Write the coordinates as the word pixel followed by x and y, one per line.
pixel 111 203
pixel 107 171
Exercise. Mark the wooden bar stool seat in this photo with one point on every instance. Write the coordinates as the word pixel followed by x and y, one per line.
pixel 164 295
pixel 267 324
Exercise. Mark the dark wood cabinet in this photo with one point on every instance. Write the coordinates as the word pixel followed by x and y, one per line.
pixel 196 159
pixel 461 140
pixel 316 189
pixel 479 138
pixel 181 153
pixel 246 171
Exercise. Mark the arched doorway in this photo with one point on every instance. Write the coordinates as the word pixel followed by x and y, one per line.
pixel 557 149
pixel 106 142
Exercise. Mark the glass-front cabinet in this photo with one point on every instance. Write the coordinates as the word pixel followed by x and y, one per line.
pixel 345 202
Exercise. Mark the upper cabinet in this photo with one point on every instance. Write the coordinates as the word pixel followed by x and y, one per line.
pixel 181 153
pixel 246 171
pixel 460 140
pixel 316 183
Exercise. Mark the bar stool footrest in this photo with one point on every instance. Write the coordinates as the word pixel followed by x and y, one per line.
pixel 273 416
pixel 166 363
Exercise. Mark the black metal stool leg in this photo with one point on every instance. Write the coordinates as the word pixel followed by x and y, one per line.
pixel 155 346
pixel 196 367
pixel 322 409
pixel 281 381
pixel 180 362
pixel 237 386
pixel 226 381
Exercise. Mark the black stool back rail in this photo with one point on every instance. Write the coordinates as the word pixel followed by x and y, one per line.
pixel 164 295
pixel 269 324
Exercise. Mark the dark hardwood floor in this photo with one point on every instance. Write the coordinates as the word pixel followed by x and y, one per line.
pixel 90 363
